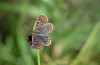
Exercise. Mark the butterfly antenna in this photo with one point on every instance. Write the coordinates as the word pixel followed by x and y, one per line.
pixel 27 29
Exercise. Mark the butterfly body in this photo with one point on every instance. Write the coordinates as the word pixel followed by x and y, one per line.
pixel 40 32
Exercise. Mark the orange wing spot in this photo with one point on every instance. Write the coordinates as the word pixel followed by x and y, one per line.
pixel 44 18
pixel 38 46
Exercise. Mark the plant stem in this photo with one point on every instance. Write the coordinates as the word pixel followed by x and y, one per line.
pixel 87 44
pixel 38 57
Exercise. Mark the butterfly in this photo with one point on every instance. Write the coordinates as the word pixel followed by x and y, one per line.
pixel 39 35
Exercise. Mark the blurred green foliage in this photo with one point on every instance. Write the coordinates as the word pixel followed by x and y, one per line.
pixel 75 38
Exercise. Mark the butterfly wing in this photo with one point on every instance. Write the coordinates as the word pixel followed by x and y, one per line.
pixel 44 39
pixel 44 29
pixel 41 20
pixel 41 28
pixel 36 44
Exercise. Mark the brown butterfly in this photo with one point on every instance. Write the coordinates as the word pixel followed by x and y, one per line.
pixel 39 36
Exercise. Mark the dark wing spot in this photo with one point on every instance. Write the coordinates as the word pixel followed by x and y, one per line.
pixel 37 22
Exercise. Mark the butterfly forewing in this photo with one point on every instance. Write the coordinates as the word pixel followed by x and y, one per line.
pixel 41 20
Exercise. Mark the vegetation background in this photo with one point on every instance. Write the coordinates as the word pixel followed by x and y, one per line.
pixel 75 38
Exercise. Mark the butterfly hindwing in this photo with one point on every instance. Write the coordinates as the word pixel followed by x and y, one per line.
pixel 43 39
pixel 36 44
pixel 44 29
